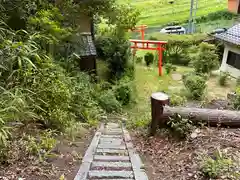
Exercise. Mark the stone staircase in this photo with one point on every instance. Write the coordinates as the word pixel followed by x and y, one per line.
pixel 111 156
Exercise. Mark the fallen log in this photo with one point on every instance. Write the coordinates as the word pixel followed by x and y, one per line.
pixel 213 117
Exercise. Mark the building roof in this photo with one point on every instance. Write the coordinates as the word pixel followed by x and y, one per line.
pixel 232 35
pixel 87 45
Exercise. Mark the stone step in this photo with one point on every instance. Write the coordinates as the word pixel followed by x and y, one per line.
pixel 112 151
pixel 111 164
pixel 111 146
pixel 112 133
pixel 111 140
pixel 110 174
pixel 111 158
pixel 114 125
pixel 112 179
pixel 111 136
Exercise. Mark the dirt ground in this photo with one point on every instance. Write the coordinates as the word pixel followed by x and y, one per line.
pixel 166 158
pixel 66 161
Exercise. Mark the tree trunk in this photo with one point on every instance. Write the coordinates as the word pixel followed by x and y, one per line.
pixel 211 116
pixel 158 101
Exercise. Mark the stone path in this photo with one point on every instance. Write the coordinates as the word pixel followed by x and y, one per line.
pixel 111 156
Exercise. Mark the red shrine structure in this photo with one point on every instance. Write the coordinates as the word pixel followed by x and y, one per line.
pixel 148 45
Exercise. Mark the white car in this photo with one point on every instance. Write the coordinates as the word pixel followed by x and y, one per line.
pixel 173 30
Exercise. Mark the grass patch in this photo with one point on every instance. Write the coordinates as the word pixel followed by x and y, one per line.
pixel 154 13
pixel 147 81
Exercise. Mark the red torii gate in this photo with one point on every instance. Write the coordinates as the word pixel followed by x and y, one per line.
pixel 140 29
pixel 144 44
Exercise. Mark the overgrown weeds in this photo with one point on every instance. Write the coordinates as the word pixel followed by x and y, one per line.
pixel 219 165
pixel 223 79
pixel 180 127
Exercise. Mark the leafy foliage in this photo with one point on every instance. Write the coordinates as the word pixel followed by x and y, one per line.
pixel 139 60
pixel 148 58
pixel 179 126
pixel 169 68
pixel 195 85
pixel 236 102
pixel 206 58
pixel 224 76
pixel 40 82
pixel 114 48
pixel 42 145
pixel 217 165
pixel 177 100
pixel 124 91
pixel 108 101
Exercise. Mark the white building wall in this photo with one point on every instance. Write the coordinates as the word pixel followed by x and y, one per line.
pixel 227 68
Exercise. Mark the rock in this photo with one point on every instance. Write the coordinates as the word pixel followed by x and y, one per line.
pixel 195 133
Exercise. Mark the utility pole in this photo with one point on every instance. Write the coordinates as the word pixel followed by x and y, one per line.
pixel 193 12
pixel 190 23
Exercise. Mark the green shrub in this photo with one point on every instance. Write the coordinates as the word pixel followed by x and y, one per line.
pixel 224 14
pixel 179 126
pixel 177 100
pixel 123 91
pixel 224 76
pixel 195 85
pixel 216 165
pixel 238 81
pixel 139 60
pixel 236 102
pixel 148 58
pixel 141 121
pixel 107 100
pixel 206 58
pixel 114 48
pixel 152 38
pixel 169 68
pixel 41 145
pixel 177 52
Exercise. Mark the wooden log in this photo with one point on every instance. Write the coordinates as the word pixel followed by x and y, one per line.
pixel 212 117
pixel 158 101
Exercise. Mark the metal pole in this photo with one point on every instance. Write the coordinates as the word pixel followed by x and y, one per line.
pixel 195 14
pixel 160 59
pixel 190 25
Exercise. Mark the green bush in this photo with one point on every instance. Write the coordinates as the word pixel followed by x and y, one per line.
pixel 107 100
pixel 217 165
pixel 179 126
pixel 142 122
pixel 195 85
pixel 224 14
pixel 177 100
pixel 152 38
pixel 148 58
pixel 114 48
pixel 205 59
pixel 139 60
pixel 236 102
pixel 40 146
pixel 224 76
pixel 169 68
pixel 123 91
pixel 177 55
pixel 178 48
pixel 238 81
